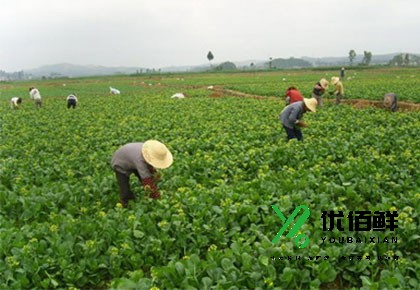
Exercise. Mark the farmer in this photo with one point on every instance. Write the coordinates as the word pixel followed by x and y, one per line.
pixel 71 101
pixel 390 102
pixel 142 159
pixel 319 90
pixel 339 90
pixel 114 91
pixel 15 102
pixel 342 73
pixel 291 117
pixel 36 96
pixel 178 96
pixel 293 95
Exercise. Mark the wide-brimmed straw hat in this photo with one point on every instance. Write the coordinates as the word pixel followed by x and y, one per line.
pixel 311 104
pixel 324 83
pixel 156 154
pixel 334 80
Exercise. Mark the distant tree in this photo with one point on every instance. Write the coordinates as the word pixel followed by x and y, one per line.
pixel 289 63
pixel 352 55
pixel 252 65
pixel 367 57
pixel 398 60
pixel 210 57
pixel 407 59
pixel 226 66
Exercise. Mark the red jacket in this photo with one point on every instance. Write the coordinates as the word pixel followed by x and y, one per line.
pixel 294 96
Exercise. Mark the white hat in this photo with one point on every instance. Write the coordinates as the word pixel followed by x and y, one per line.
pixel 157 154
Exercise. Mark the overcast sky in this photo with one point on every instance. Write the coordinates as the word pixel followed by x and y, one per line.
pixel 162 33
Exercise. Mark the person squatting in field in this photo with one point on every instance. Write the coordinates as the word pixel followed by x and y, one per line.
pixel 291 117
pixel 319 90
pixel 15 102
pixel 71 101
pixel 114 91
pixel 339 90
pixel 390 102
pixel 36 96
pixel 141 159
pixel 293 95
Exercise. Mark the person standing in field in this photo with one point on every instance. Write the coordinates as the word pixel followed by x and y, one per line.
pixel 339 90
pixel 15 102
pixel 319 90
pixel 71 101
pixel 342 73
pixel 291 117
pixel 390 102
pixel 36 96
pixel 142 160
pixel 293 95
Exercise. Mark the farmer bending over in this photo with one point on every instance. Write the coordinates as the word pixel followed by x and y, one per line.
pixel 293 95
pixel 291 117
pixel 319 90
pixel 339 90
pixel 71 101
pixel 36 96
pixel 142 159
pixel 390 102
pixel 15 102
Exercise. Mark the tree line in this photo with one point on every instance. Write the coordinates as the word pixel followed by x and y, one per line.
pixel 367 57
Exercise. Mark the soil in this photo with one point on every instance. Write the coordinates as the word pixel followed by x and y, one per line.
pixel 219 92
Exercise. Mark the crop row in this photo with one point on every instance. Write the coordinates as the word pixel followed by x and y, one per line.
pixel 61 225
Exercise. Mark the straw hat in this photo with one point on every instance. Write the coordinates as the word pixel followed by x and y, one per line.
pixel 387 101
pixel 311 104
pixel 324 83
pixel 334 80
pixel 156 154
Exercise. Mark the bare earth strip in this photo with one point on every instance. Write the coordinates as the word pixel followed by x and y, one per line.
pixel 219 92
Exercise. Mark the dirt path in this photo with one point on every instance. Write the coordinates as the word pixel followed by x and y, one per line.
pixel 218 92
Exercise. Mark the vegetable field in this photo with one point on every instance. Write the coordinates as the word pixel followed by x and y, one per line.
pixel 61 225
